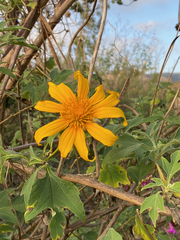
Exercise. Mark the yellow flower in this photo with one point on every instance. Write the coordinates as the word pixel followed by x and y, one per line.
pixel 113 92
pixel 77 114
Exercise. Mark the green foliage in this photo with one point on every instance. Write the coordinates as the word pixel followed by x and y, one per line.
pixel 5 207
pixel 153 202
pixel 52 192
pixel 57 77
pixel 128 145
pixel 140 171
pixel 172 167
pixel 4 228
pixel 8 72
pixel 113 175
pixel 140 231
pixel 56 229
pixel 140 152
pixel 112 235
pixel 165 237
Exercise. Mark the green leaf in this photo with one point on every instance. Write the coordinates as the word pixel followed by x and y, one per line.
pixel 175 187
pixel 128 143
pixel 139 171
pixel 56 229
pixel 27 188
pixel 5 207
pixel 140 231
pixel 153 202
pixel 157 183
pixel 112 235
pixel 18 204
pixel 33 92
pixel 3 24
pixel 34 159
pixel 172 167
pixel 157 101
pixel 58 78
pixel 4 228
pixel 165 237
pixel 113 175
pixel 91 235
pixel 32 4
pixel 17 41
pixel 5 155
pixel 53 192
pixel 8 72
pixel 5 37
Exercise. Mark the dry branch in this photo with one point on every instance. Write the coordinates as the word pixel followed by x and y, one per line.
pixel 88 181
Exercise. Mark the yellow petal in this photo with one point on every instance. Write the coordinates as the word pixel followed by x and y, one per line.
pixel 113 92
pixel 108 112
pixel 61 92
pixel 66 141
pixel 65 92
pixel 48 106
pixel 80 144
pixel 101 134
pixel 98 96
pixel 50 129
pixel 83 85
pixel 110 101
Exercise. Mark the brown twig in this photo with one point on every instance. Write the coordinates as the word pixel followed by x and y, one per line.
pixel 20 116
pixel 11 66
pixel 167 113
pixel 141 219
pixel 25 146
pixel 9 197
pixel 101 29
pixel 52 34
pixel 45 227
pixel 121 208
pixel 16 114
pixel 162 68
pixel 36 229
pixel 97 160
pixel 88 181
pixel 72 40
pixel 60 166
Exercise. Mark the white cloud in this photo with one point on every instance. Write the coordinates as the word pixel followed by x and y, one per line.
pixel 150 25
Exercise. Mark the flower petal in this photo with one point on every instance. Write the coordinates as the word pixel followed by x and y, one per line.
pixel 50 129
pixel 101 134
pixel 48 106
pixel 61 92
pixel 65 92
pixel 98 96
pixel 113 92
pixel 109 112
pixel 110 101
pixel 83 85
pixel 66 141
pixel 80 144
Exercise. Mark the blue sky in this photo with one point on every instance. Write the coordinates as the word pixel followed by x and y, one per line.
pixel 160 16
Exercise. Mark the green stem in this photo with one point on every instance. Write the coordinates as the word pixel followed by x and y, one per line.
pixel 57 149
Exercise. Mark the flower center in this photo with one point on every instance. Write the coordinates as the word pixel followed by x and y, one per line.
pixel 77 112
